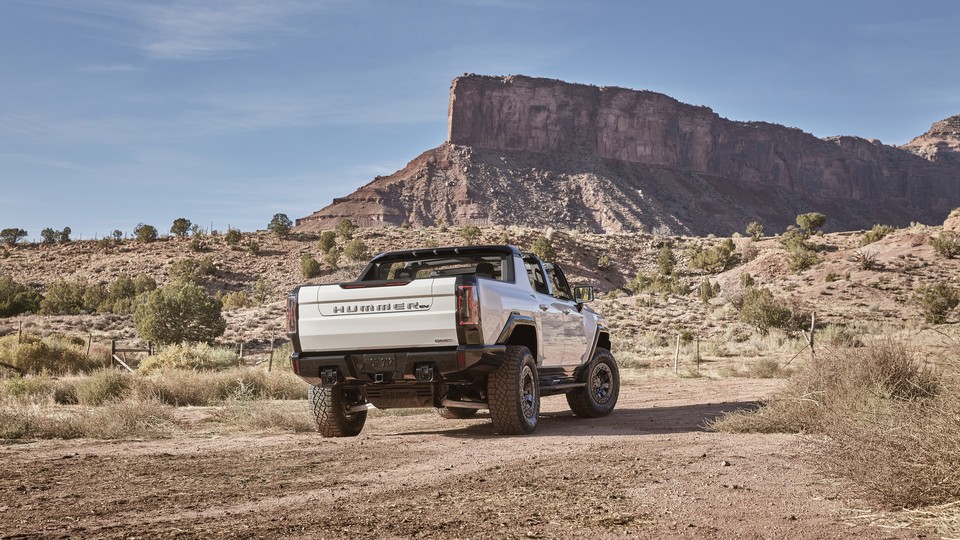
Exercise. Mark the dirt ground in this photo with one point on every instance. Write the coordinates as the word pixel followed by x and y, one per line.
pixel 648 471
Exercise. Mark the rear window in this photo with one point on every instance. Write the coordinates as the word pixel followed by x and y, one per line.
pixel 493 266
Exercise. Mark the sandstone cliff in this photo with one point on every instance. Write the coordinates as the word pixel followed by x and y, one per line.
pixel 541 152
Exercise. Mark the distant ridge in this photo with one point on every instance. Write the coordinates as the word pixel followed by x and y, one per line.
pixel 541 152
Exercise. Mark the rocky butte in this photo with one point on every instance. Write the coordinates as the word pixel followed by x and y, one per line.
pixel 541 152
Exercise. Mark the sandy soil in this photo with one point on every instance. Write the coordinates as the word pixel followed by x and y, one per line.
pixel 649 471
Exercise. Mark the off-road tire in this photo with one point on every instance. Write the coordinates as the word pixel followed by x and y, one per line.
pixel 330 411
pixel 600 395
pixel 456 413
pixel 513 393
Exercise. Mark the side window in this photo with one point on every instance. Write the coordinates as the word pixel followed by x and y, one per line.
pixel 537 280
pixel 559 283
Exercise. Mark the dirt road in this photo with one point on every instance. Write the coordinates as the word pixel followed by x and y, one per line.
pixel 647 471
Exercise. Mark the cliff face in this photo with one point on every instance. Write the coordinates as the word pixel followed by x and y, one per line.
pixel 544 152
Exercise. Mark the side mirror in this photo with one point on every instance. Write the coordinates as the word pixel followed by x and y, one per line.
pixel 582 295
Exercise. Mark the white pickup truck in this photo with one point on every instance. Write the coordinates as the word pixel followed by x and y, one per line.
pixel 459 329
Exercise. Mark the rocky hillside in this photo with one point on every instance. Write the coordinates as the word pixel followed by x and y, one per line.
pixel 540 152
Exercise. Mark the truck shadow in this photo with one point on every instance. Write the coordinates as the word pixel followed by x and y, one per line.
pixel 636 421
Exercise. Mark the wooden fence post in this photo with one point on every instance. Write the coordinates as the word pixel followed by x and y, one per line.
pixel 113 351
pixel 698 353
pixel 270 362
pixel 89 342
pixel 676 357
pixel 20 333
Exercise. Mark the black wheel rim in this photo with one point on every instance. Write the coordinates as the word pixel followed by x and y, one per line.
pixel 528 393
pixel 601 383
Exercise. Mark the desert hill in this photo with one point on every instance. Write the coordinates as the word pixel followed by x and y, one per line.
pixel 540 152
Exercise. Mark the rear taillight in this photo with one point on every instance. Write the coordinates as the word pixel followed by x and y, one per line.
pixel 292 314
pixel 468 305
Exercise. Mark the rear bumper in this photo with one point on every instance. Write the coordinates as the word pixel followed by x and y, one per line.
pixel 464 364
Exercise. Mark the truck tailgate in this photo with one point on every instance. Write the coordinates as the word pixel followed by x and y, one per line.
pixel 420 313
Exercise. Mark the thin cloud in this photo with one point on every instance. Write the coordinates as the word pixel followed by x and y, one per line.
pixel 190 29
pixel 109 68
pixel 44 161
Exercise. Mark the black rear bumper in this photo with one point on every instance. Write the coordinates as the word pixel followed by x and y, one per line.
pixel 463 364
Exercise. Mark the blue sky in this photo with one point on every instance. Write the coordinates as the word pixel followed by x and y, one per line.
pixel 115 112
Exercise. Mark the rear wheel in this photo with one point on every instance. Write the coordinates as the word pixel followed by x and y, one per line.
pixel 513 391
pixel 331 408
pixel 599 396
pixel 453 413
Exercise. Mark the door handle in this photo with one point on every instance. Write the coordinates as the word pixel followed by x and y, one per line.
pixel 544 307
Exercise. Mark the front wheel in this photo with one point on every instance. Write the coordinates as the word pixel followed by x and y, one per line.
pixel 331 408
pixel 599 396
pixel 513 393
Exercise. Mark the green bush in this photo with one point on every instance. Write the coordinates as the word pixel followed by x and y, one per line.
pixel 66 298
pixel 12 235
pixel 16 298
pixel 760 308
pixel 103 386
pixel 708 290
pixel 235 300
pixel 876 233
pixel 355 250
pixel 755 230
pixel 658 283
pixel 233 237
pixel 345 229
pixel 280 225
pixel 666 261
pixel 328 239
pixel 936 301
pixel 190 356
pixel 192 270
pixel 179 312
pixel 180 227
pixel 801 254
pixel 253 247
pixel 716 259
pixel 811 222
pixel 309 267
pixel 145 233
pixel 332 257
pixel 470 233
pixel 946 244
pixel 542 247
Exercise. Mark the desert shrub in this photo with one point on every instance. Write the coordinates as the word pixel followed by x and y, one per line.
pixel 746 280
pixel 261 292
pixel 199 356
pixel 946 244
pixel 666 261
pixel 328 239
pixel 658 283
pixel 180 227
pixel 811 221
pixel 16 298
pixel 65 298
pixel 11 236
pixel 309 267
pixel 544 249
pixel 763 368
pixel 55 355
pixel 332 257
pixel 253 247
pixel 355 250
pixel 470 233
pixel 715 259
pixel 235 300
pixel 115 420
pixel 29 388
pixel 866 260
pixel 936 301
pixel 179 312
pixel 603 262
pixel 198 244
pixel 145 233
pixel 755 230
pixel 189 387
pixel 345 229
pixel 889 424
pixel 103 386
pixel 876 233
pixel 192 270
pixel 233 237
pixel 760 308
pixel 280 225
pixel 706 290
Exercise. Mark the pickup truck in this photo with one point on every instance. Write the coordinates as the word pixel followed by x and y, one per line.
pixel 459 329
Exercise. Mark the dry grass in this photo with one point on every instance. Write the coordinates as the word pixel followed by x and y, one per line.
pixel 115 420
pixel 51 354
pixel 877 417
pixel 266 416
